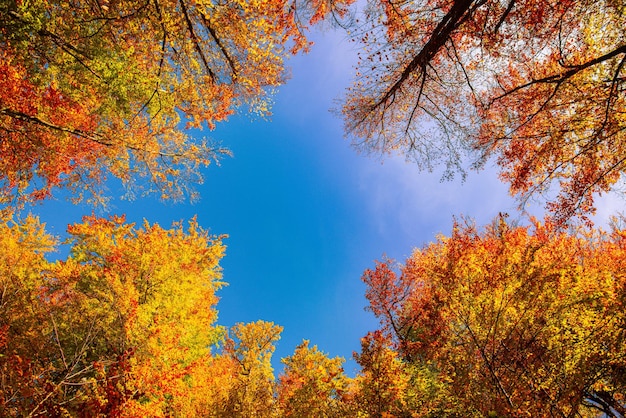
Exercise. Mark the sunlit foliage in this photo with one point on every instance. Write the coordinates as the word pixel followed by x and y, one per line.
pixel 539 85
pixel 312 385
pixel 92 89
pixel 502 321
pixel 116 329
pixel 511 321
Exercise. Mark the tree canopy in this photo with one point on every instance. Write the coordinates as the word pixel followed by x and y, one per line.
pixel 509 321
pixel 537 85
pixel 122 327
pixel 506 320
pixel 99 88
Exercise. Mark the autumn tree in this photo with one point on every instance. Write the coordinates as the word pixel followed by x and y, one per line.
pixel 383 386
pixel 312 384
pixel 538 85
pixel 249 347
pixel 25 352
pixel 119 328
pixel 512 321
pixel 101 88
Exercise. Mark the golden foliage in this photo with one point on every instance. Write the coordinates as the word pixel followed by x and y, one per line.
pixel 514 321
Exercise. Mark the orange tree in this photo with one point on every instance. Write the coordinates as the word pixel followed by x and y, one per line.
pixel 539 85
pixel 312 384
pixel 508 321
pixel 385 385
pixel 99 88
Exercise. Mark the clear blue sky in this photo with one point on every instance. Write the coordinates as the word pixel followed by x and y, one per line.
pixel 305 214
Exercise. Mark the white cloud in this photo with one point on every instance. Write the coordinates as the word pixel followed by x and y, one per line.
pixel 608 206
pixel 403 198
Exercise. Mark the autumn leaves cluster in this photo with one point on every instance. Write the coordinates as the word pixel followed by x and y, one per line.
pixel 502 321
pixel 513 319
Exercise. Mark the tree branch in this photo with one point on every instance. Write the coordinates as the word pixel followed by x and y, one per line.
pixel 460 11
pixel 195 40
pixel 561 77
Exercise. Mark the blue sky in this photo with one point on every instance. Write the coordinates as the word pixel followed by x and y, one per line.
pixel 305 214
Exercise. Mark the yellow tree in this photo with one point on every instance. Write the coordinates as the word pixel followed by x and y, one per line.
pixel 512 321
pixel 312 384
pixel 539 85
pixel 384 387
pixel 102 87
pixel 252 383
pixel 26 352
pixel 119 327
